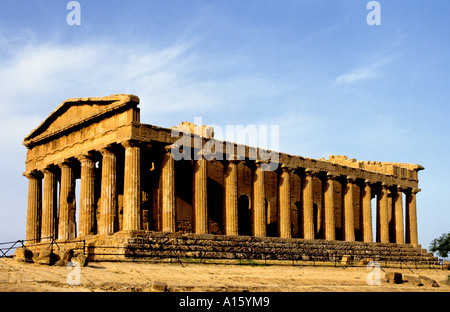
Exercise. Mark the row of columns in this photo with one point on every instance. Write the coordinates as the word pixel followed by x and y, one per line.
pixel 132 200
pixel 284 204
pixel 42 201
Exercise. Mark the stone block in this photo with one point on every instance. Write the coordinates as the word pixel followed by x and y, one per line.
pixel 63 257
pixel 23 254
pixel 60 262
pixel 394 277
pixel 66 255
pixel 45 257
pixel 346 260
pixel 159 286
pixel 428 281
pixel 82 260
pixel 446 265
pixel 412 279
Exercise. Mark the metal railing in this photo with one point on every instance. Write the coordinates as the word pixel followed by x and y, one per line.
pixel 50 242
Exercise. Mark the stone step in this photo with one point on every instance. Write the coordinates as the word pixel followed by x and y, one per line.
pixel 264 245
pixel 226 247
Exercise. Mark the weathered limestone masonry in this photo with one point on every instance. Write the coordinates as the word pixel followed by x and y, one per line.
pixel 129 182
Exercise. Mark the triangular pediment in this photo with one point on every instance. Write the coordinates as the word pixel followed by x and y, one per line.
pixel 74 112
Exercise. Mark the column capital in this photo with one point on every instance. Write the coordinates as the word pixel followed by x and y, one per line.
pixel 85 157
pixel 332 175
pixel 233 157
pixel 168 148
pixel 415 190
pixel 261 162
pixel 286 167
pixel 226 162
pixel 234 161
pixel 368 182
pixel 49 169
pixel 351 178
pixel 106 150
pixel 33 174
pixel 401 188
pixel 311 172
pixel 131 143
pixel 65 163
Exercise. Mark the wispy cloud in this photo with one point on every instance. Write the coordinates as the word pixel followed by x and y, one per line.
pixel 365 72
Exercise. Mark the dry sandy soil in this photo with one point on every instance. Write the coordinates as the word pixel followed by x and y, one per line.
pixel 197 277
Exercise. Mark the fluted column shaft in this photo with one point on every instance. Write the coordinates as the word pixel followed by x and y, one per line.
pixel 49 206
pixel 398 206
pixel 382 215
pixel 200 196
pixel 86 222
pixel 259 205
pixel 231 198
pixel 367 212
pixel 349 227
pixel 308 205
pixel 330 231
pixel 33 229
pixel 108 209
pixel 132 187
pixel 168 192
pixel 67 207
pixel 411 217
pixel 284 202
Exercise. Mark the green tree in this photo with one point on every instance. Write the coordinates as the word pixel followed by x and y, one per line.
pixel 441 245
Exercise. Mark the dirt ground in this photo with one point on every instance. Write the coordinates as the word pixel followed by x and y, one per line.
pixel 199 277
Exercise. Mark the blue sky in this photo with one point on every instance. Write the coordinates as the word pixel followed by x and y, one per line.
pixel 333 84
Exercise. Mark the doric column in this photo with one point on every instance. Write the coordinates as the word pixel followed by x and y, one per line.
pixel 200 196
pixel 67 206
pixel 366 201
pixel 108 209
pixel 411 217
pixel 398 206
pixel 330 231
pixel 284 201
pixel 308 204
pixel 33 230
pixel 168 192
pixel 86 222
pixel 382 215
pixel 349 228
pixel 132 187
pixel 231 197
pixel 259 204
pixel 49 205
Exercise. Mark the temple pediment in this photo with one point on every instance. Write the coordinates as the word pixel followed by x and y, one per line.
pixel 77 111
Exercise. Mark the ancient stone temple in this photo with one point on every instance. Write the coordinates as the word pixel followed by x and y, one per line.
pixel 99 175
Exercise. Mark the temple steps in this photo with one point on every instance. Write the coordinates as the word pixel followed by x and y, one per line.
pixel 140 245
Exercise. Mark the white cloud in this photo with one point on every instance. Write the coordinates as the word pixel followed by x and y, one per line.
pixel 364 73
pixel 174 79
pixel 48 71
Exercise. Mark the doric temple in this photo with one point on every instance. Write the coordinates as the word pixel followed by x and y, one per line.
pixel 95 171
